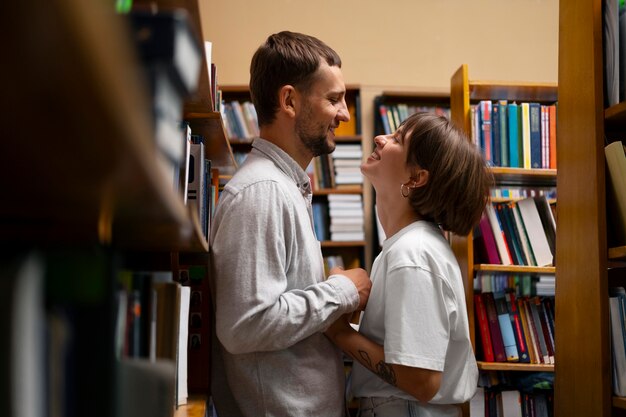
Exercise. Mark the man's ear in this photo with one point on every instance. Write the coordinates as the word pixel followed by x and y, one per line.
pixel 287 100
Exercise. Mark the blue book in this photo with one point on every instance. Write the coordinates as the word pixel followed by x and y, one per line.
pixel 514 157
pixel 495 134
pixel 535 135
pixel 508 337
pixel 504 133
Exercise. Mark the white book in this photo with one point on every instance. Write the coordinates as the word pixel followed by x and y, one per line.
pixel 616 190
pixel 344 197
pixel 534 229
pixel 183 333
pixel 346 236
pixel 511 404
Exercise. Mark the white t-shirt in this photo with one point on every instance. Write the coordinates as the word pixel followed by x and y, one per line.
pixel 417 310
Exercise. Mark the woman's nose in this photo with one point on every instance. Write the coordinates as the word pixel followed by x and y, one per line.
pixel 380 141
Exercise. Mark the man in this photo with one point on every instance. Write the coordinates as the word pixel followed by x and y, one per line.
pixel 272 301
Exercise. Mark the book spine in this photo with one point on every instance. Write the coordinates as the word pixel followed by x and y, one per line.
pixel 518 328
pixel 508 337
pixel 483 328
pixel 504 139
pixel 513 119
pixel 535 135
pixel 494 327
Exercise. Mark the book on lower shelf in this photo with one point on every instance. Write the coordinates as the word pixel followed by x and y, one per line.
pixel 617 313
pixel 616 193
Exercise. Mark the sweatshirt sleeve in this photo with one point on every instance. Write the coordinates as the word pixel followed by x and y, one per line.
pixel 269 288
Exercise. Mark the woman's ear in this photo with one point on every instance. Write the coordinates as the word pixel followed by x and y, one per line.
pixel 287 100
pixel 420 179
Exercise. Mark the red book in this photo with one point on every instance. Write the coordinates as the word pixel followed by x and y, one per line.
pixel 552 135
pixel 494 327
pixel 483 328
pixel 487 241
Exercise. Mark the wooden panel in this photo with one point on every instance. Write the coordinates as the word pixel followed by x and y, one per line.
pixel 583 376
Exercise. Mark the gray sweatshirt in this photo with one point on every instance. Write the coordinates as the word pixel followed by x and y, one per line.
pixel 271 299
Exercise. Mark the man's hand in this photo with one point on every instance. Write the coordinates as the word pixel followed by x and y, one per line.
pixel 361 281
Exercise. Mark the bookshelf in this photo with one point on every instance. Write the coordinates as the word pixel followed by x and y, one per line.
pixel 87 194
pixel 463 93
pixel 412 101
pixel 587 264
pixel 355 253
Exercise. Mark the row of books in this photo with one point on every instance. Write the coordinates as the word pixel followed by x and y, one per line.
pixel 514 329
pixel 512 403
pixel 339 218
pixel 152 322
pixel 165 318
pixel 340 168
pixel 519 192
pixel 617 313
pixel 515 135
pixel 171 58
pixel 521 284
pixel 240 120
pixel 518 232
pixel 391 115
pixel 200 184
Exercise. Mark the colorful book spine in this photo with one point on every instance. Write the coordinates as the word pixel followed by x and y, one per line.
pixel 483 328
pixel 525 129
pixel 504 134
pixel 534 110
pixel 518 328
pixel 494 327
pixel 506 328
pixel 513 133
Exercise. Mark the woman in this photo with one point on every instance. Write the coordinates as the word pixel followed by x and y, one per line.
pixel 413 355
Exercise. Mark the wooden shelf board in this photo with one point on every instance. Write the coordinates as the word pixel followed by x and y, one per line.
pixel 196 407
pixel 347 189
pixel 505 366
pixel 522 91
pixel 521 176
pixel 617 253
pixel 346 244
pixel 619 402
pixel 616 113
pixel 516 268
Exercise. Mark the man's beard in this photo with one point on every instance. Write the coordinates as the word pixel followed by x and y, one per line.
pixel 314 138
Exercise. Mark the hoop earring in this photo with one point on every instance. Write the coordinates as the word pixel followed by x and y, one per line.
pixel 402 192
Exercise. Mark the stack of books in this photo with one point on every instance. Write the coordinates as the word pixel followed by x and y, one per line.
pixel 347 162
pixel 346 217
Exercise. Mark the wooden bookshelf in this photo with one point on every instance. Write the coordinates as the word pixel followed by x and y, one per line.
pixel 583 383
pixel 465 92
pixel 89 187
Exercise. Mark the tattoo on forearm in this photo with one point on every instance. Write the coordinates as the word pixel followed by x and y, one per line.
pixel 366 358
pixel 386 372
pixel 382 369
